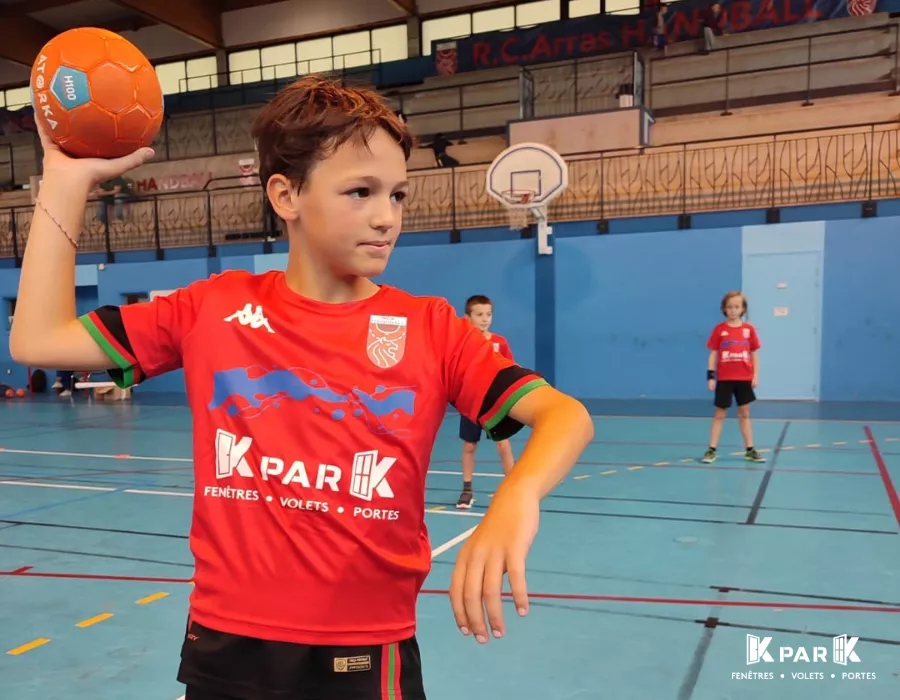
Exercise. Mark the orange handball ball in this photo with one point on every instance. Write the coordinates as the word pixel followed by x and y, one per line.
pixel 95 94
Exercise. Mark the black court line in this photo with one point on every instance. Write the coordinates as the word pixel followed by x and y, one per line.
pixel 808 596
pixel 686 691
pixel 86 528
pixel 678 519
pixel 804 632
pixel 96 555
pixel 767 477
pixel 672 502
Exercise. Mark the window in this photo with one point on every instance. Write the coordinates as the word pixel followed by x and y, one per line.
pixel 445 28
pixel 390 44
pixel 583 8
pixel 18 97
pixel 495 20
pixel 314 56
pixel 531 13
pixel 202 73
pixel 352 50
pixel 622 7
pixel 243 67
pixel 172 77
pixel 279 61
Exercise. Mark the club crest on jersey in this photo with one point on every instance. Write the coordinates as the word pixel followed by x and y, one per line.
pixel 386 343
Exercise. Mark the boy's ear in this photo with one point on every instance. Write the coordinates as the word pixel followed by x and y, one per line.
pixel 282 195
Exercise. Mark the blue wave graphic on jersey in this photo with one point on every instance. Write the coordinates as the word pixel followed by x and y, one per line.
pixel 248 393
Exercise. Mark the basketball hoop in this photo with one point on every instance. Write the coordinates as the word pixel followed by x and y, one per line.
pixel 517 202
pixel 525 179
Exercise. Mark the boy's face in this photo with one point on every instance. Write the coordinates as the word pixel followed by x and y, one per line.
pixel 480 315
pixel 734 308
pixel 351 208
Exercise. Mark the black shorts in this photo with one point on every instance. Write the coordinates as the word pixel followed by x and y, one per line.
pixel 469 431
pixel 741 391
pixel 220 666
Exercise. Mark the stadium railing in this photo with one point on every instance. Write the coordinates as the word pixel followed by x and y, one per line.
pixel 852 164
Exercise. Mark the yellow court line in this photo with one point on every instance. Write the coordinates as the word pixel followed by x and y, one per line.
pixel 28 647
pixel 94 620
pixel 661 464
pixel 635 468
pixel 689 459
pixel 787 447
pixel 151 598
pixel 839 443
pixel 607 473
pixel 892 440
pixel 582 476
pixel 432 510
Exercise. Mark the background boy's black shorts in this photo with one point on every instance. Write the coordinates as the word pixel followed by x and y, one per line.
pixel 469 431
pixel 741 391
pixel 220 666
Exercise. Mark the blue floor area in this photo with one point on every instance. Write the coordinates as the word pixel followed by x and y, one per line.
pixel 649 572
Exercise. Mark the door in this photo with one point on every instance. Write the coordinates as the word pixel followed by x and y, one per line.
pixel 784 296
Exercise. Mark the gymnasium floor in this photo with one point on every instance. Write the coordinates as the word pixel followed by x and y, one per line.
pixel 648 574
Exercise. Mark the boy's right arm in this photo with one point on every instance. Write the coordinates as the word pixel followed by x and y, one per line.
pixel 45 330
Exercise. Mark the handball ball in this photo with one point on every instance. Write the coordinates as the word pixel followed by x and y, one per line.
pixel 95 94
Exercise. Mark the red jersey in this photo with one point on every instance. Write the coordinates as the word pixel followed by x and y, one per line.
pixel 313 429
pixel 500 344
pixel 734 345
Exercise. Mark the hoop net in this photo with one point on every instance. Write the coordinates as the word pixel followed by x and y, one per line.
pixel 517 206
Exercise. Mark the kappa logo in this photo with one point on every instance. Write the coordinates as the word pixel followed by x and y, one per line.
pixel 496 347
pixel 252 317
pixel 386 343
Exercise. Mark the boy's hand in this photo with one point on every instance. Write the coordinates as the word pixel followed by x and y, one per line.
pixel 88 172
pixel 711 384
pixel 755 382
pixel 499 545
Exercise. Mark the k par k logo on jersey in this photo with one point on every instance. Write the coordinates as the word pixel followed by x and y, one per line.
pixel 759 649
pixel 310 484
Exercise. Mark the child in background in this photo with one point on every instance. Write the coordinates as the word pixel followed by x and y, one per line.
pixel 733 371
pixel 480 311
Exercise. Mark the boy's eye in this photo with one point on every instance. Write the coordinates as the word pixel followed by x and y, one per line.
pixel 361 191
pixel 400 196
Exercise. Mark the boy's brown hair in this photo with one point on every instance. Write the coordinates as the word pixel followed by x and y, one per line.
pixel 475 300
pixel 310 119
pixel 732 295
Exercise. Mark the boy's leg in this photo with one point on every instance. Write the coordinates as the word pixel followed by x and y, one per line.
pixel 470 434
pixel 504 449
pixel 744 396
pixel 220 666
pixel 722 402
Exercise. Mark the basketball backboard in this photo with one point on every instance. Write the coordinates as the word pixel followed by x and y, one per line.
pixel 527 176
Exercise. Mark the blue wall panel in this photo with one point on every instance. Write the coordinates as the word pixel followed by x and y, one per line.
pixel 633 313
pixel 503 270
pixel 860 329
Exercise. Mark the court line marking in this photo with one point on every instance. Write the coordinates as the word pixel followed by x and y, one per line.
pixel 34 644
pixel 152 598
pixel 885 474
pixel 91 621
pixel 450 544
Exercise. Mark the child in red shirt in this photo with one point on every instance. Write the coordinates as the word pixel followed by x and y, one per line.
pixel 316 396
pixel 733 371
pixel 480 311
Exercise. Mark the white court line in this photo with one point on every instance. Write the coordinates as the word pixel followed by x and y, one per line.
pixel 92 455
pixel 449 544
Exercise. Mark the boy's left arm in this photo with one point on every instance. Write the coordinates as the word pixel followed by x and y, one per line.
pixel 503 397
pixel 755 345
pixel 561 429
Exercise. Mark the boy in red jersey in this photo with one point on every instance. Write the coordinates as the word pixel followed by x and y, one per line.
pixel 733 371
pixel 480 311
pixel 315 396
